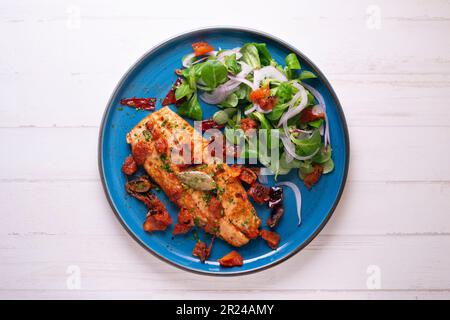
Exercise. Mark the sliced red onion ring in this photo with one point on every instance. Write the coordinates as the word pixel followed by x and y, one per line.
pixel 252 109
pixel 296 130
pixel 294 110
pixel 245 70
pixel 243 80
pixel 321 101
pixel 322 130
pixel 224 90
pixel 220 93
pixel 298 198
pixel 261 110
pixel 267 72
pixel 221 56
pixel 187 61
pixel 318 109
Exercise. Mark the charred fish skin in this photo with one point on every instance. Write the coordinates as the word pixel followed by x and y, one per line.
pixel 226 211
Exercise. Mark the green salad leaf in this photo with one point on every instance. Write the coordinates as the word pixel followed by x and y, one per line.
pixel 305 74
pixel 328 166
pixel 285 92
pixel 264 54
pixel 304 169
pixel 323 155
pixel 231 64
pixel 250 55
pixel 292 62
pixel 191 108
pixel 306 147
pixel 230 102
pixel 184 90
pixel 213 73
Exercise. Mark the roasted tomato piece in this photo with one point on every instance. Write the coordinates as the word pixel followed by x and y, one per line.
pixel 215 207
pixel 259 93
pixel 129 166
pixel 158 218
pixel 267 103
pixel 181 229
pixel 157 222
pixel 309 115
pixel 232 259
pixel 201 250
pixel 140 151
pixel 259 193
pixel 163 217
pixel 272 238
pixel 235 171
pixel 202 48
pixel 140 103
pixel 262 97
pixel 185 222
pixel 161 145
pixel 312 178
pixel 151 224
pixel 248 124
pixel 248 176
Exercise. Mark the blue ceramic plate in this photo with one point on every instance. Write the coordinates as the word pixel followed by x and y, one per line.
pixel 153 76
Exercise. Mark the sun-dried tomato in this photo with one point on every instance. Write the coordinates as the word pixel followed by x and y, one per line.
pixel 308 115
pixel 170 97
pixel 140 103
pixel 211 124
pixel 275 216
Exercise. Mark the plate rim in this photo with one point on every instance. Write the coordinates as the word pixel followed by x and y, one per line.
pixel 314 68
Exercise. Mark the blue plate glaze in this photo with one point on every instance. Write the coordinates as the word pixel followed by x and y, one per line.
pixel 153 76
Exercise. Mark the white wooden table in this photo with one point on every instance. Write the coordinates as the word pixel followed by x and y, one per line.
pixel 389 62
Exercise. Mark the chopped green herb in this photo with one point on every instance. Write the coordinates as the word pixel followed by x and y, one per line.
pixel 147 135
pixel 207 197
pixel 195 234
pixel 166 167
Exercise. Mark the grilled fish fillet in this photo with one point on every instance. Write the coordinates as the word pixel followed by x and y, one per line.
pixel 227 212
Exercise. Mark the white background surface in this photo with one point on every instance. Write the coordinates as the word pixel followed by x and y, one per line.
pixel 389 62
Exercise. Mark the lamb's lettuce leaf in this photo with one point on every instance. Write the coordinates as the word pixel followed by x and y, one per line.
pixel 213 73
pixel 250 55
pixel 305 74
pixel 231 64
pixel 191 109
